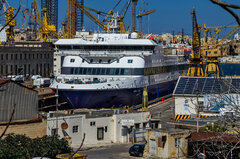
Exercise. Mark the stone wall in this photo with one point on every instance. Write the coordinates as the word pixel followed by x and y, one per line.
pixel 30 129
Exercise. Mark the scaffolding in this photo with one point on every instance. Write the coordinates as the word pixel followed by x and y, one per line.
pixel 79 17
pixel 52 11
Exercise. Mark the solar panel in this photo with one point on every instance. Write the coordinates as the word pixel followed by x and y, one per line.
pixel 207 85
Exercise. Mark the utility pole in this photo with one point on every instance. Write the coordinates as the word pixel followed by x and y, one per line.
pixel 197 106
pixel 56 95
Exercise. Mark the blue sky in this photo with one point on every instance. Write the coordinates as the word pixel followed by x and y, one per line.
pixel 170 15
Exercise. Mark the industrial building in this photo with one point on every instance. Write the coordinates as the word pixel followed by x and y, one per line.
pixel 26 59
pixel 101 127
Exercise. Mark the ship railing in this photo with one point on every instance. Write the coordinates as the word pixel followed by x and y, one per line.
pixel 78 81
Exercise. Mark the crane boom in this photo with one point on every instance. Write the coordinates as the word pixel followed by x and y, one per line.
pixel 195 64
pixel 92 17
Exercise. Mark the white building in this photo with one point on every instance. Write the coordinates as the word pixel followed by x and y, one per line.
pixel 100 127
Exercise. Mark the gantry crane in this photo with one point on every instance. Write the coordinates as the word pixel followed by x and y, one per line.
pixel 195 63
pixel 141 14
pixel 45 30
pixel 211 49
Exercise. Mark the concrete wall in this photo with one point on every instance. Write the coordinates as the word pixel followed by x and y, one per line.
pixel 167 149
pixel 30 129
pixel 118 128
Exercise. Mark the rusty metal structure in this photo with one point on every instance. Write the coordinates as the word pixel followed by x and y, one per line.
pixel 52 11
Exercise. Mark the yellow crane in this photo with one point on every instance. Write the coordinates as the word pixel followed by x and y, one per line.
pixel 106 27
pixel 12 23
pixel 45 30
pixel 195 63
pixel 141 14
pixel 64 29
pixel 212 50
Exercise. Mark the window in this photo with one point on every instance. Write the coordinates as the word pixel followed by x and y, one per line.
pixel 72 60
pixel 100 61
pixel 130 61
pixel 177 142
pixel 118 60
pixel 91 61
pixel 105 129
pixel 75 129
pixel 92 123
pixel 6 56
pixel 54 132
pixel 83 60
pixel 100 133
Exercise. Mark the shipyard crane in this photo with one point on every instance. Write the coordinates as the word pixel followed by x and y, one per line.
pixel 212 50
pixel 92 17
pixel 12 23
pixel 64 29
pixel 45 29
pixel 120 17
pixel 106 27
pixel 195 63
pixel 141 14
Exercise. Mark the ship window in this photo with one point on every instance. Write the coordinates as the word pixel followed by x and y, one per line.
pixel 89 71
pixel 122 71
pixel 130 61
pixel 100 61
pixel 80 71
pixel 94 71
pixel 72 60
pixel 76 71
pixel 109 61
pixel 98 71
pixel 71 71
pixel 84 71
pixel 117 71
pixel 108 71
pixel 91 61
pixel 103 70
pixel 126 71
pixel 83 60
pixel 112 71
pixel 118 60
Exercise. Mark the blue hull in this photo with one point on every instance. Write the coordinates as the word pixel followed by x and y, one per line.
pixel 114 98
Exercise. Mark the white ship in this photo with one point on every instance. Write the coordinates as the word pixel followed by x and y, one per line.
pixel 111 70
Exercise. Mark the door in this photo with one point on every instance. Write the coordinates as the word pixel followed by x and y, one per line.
pixel 152 147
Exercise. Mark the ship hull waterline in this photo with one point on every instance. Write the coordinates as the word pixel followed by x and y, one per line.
pixel 114 98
